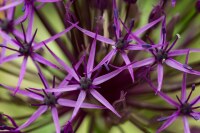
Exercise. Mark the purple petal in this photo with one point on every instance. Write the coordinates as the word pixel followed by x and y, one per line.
pixel 195 101
pixel 30 26
pixel 54 113
pixel 90 63
pixel 168 122
pixel 13 4
pixel 8 39
pixel 177 65
pixel 107 59
pixel 173 3
pixel 24 93
pixel 127 61
pixel 186 125
pixel 64 89
pixel 146 27
pixel 71 103
pixel 102 100
pixel 195 115
pixel 181 52
pixel 92 34
pixel 160 76
pixel 22 72
pixel 42 60
pixel 106 77
pixel 37 114
pixel 41 44
pixel 116 19
pixel 144 62
pixel 79 102
pixel 24 17
pixel 10 57
pixel 62 63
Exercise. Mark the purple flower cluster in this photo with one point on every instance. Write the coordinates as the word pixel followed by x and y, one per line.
pixel 101 67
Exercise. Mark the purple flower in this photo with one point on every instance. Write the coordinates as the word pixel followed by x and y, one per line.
pixel 184 108
pixel 86 82
pixel 173 3
pixel 28 7
pixel 198 6
pixel 164 55
pixel 28 48
pixel 122 43
pixel 5 127
pixel 48 100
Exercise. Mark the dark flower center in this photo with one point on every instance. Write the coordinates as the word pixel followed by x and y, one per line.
pixel 29 1
pixel 186 109
pixel 161 56
pixel 85 83
pixel 6 25
pixel 121 43
pixel 50 99
pixel 26 49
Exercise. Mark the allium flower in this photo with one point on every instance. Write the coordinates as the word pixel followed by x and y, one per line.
pixel 184 108
pixel 48 100
pixel 164 55
pixel 86 82
pixel 122 43
pixel 27 8
pixel 27 48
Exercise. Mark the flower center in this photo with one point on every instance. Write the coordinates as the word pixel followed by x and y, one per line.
pixel 6 25
pixel 185 109
pixel 85 83
pixel 161 56
pixel 25 50
pixel 50 99
pixel 121 43
pixel 29 1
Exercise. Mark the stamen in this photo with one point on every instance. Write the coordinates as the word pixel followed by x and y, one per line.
pixel 179 100
pixel 193 88
pixel 41 78
pixel 177 37
pixel 9 48
pixel 31 42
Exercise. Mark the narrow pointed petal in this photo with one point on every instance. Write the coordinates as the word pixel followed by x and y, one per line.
pixel 195 115
pixel 160 76
pixel 90 63
pixel 144 62
pixel 24 93
pixel 37 114
pixel 102 100
pixel 8 39
pixel 186 125
pixel 30 26
pixel 106 77
pixel 168 122
pixel 54 114
pixel 106 59
pixel 64 89
pixel 195 101
pixel 79 102
pixel 10 58
pixel 42 60
pixel 22 72
pixel 173 3
pixel 65 66
pixel 127 61
pixel 164 96
pixel 72 103
pixel 181 52
pixel 177 65
pixel 116 19
pixel 41 44
pixel 146 27
pixel 24 17
pixel 92 34
pixel 13 4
